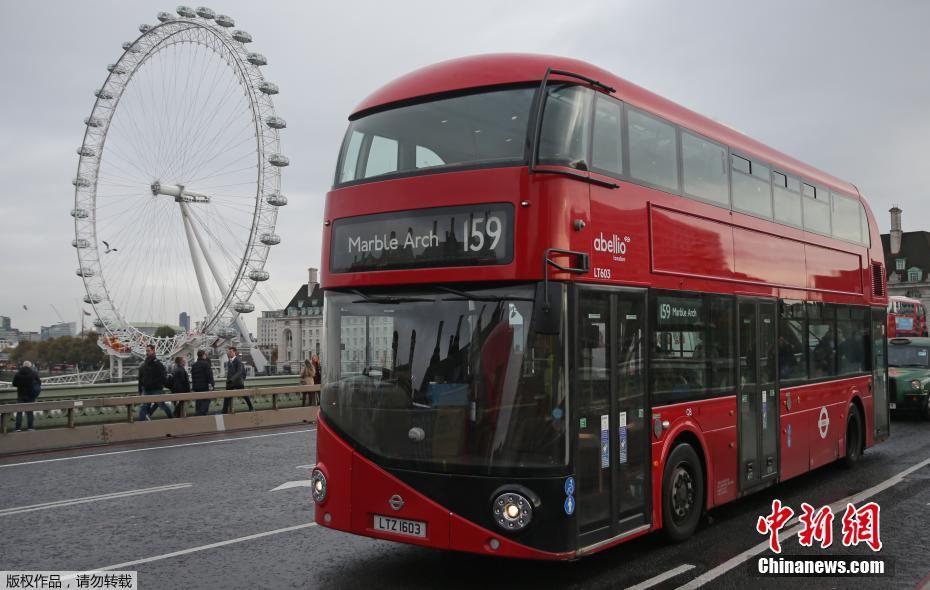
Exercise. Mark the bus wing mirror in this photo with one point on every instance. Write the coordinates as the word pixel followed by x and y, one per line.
pixel 547 314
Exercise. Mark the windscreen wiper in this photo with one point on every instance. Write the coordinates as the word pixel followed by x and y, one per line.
pixel 470 297
pixel 388 299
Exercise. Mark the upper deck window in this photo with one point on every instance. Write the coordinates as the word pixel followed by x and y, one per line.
pixel 485 128
pixel 564 135
pixel 787 199
pixel 607 147
pixel 653 150
pixel 846 224
pixel 704 166
pixel 752 191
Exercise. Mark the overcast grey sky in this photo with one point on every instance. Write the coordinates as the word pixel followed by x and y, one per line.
pixel 842 85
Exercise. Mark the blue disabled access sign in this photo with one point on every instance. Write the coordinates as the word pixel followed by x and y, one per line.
pixel 570 486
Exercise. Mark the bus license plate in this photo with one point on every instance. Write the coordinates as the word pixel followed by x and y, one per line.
pixel 892 406
pixel 399 526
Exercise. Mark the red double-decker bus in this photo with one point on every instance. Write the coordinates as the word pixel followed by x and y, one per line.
pixel 562 312
pixel 906 317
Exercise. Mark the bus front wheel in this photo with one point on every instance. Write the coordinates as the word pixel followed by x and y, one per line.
pixel 853 437
pixel 682 493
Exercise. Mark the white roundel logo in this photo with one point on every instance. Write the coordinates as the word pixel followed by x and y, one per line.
pixel 824 422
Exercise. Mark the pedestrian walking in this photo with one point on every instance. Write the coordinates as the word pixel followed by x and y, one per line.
pixel 152 379
pixel 235 378
pixel 180 383
pixel 202 380
pixel 28 386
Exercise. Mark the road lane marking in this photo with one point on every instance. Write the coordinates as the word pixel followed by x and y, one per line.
pixel 300 483
pixel 733 562
pixel 192 444
pixel 311 466
pixel 86 499
pixel 655 580
pixel 128 564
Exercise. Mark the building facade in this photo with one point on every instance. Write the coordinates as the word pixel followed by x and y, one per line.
pixel 58 330
pixel 184 321
pixel 907 260
pixel 291 335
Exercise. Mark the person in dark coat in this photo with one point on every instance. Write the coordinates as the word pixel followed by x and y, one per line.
pixel 152 379
pixel 202 380
pixel 28 385
pixel 180 383
pixel 235 378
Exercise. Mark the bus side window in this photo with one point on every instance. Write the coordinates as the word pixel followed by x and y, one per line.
pixel 821 339
pixel 653 150
pixel 792 334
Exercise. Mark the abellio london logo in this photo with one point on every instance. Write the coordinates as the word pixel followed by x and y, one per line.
pixel 614 245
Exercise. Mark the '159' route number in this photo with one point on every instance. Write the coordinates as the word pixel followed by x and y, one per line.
pixel 475 234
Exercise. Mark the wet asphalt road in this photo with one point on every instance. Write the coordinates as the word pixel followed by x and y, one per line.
pixel 203 501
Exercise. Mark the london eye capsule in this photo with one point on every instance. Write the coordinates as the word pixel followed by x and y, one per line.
pixel 80 243
pixel 86 151
pixel 241 36
pixel 259 275
pixel 204 12
pixel 84 271
pixel 164 16
pixel 115 70
pixel 257 59
pixel 145 28
pixel 92 298
pixel 93 122
pixel 224 21
pixel 129 47
pixel 104 94
pixel 80 213
pixel 244 306
pixel 278 160
pixel 81 182
pixel 275 122
pixel 269 239
pixel 268 88
pixel 186 11
pixel 276 199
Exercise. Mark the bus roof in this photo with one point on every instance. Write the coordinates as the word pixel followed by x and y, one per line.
pixel 511 68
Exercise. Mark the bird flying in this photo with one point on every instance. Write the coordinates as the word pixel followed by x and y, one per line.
pixel 108 248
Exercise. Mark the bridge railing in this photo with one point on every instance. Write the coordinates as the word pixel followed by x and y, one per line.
pixel 70 433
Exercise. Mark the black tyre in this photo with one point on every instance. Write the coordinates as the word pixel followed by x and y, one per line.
pixel 682 493
pixel 854 437
pixel 925 410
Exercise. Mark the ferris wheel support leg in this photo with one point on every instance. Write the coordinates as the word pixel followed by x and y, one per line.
pixel 198 269
pixel 214 270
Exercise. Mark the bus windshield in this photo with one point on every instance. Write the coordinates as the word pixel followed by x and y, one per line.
pixel 446 381
pixel 484 128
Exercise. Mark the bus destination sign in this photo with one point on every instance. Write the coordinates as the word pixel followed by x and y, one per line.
pixel 470 235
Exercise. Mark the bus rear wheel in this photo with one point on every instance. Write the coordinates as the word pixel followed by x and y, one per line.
pixel 853 437
pixel 682 493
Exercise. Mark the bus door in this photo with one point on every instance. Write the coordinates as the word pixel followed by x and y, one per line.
pixel 880 375
pixel 757 397
pixel 609 413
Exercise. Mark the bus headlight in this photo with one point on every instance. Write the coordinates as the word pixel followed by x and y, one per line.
pixel 318 486
pixel 915 384
pixel 512 511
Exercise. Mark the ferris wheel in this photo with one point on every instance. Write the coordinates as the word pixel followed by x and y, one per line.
pixel 178 184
